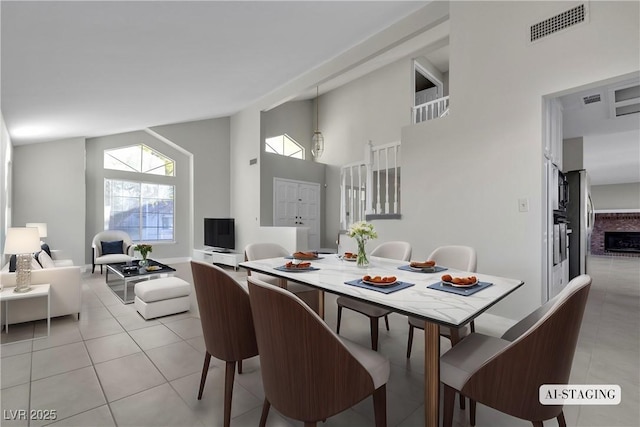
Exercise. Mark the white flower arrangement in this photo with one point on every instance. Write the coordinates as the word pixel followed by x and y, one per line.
pixel 362 230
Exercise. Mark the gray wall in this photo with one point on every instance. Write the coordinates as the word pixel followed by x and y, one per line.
pixel 49 186
pixel 616 196
pixel 95 190
pixel 208 143
pixel 6 166
pixel 296 120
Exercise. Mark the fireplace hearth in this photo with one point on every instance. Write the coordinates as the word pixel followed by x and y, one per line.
pixel 622 241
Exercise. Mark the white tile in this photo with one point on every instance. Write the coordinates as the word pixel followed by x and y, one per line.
pixel 111 347
pixel 15 370
pixel 60 359
pixel 99 328
pixel 127 375
pixel 63 331
pixel 176 360
pixel 186 328
pixel 12 349
pixel 134 321
pixel 159 406
pixel 15 405
pixel 69 394
pixel 155 336
pixel 210 409
pixel 99 417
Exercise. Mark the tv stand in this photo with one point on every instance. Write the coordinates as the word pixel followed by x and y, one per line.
pixel 213 256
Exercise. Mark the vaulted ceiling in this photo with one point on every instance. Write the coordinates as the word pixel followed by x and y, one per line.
pixel 89 68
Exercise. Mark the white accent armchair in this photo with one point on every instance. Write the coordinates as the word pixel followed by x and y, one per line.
pixel 101 257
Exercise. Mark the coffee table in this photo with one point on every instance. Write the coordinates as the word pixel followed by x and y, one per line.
pixel 124 276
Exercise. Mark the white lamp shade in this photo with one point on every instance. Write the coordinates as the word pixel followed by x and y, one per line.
pixel 22 240
pixel 41 226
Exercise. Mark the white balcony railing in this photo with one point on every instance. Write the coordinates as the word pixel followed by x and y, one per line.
pixel 431 110
pixel 372 186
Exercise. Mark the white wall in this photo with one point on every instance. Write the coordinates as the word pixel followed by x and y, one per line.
pixel 616 196
pixel 245 178
pixel 375 107
pixel 49 186
pixel 463 175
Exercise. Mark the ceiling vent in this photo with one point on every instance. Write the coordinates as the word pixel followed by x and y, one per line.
pixel 562 21
pixel 590 99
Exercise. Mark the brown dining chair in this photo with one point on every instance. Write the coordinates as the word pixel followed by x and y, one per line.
pixel 257 251
pixel 506 373
pixel 460 258
pixel 308 372
pixel 227 325
pixel 392 250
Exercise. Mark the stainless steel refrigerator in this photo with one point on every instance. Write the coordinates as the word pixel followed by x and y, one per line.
pixel 581 217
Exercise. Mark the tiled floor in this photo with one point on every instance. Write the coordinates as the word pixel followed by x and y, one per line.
pixel 113 368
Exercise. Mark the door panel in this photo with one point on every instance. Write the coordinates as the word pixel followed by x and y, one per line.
pixel 297 204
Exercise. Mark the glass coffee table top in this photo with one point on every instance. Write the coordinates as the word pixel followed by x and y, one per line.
pixel 124 276
pixel 132 269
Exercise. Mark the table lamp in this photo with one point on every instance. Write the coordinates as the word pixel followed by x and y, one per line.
pixel 22 242
pixel 42 229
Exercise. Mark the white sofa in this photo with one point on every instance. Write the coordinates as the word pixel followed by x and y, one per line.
pixel 66 292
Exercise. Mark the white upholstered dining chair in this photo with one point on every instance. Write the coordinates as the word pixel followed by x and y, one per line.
pixel 392 250
pixel 257 251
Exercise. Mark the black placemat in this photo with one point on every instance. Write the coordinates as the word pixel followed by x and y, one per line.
pixel 437 269
pixel 460 291
pixel 384 289
pixel 296 270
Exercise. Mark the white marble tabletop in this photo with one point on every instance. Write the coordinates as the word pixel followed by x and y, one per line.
pixel 439 307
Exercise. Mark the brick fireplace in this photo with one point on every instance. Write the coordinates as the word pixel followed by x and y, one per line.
pixel 614 224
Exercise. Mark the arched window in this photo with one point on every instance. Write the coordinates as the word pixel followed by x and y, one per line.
pixel 284 145
pixel 139 158
pixel 143 205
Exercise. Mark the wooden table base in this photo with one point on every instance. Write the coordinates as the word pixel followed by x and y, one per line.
pixel 431 374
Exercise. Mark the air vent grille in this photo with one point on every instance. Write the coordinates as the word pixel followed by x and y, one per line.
pixel 591 99
pixel 559 22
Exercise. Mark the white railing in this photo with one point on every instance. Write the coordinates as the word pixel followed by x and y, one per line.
pixel 431 110
pixel 372 186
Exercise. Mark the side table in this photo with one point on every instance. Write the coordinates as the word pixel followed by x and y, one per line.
pixel 43 290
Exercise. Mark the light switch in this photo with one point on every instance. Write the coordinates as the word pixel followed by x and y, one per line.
pixel 523 205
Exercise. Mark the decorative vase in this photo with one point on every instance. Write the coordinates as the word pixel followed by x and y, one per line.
pixel 362 260
pixel 143 262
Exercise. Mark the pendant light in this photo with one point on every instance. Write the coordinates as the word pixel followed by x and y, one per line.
pixel 317 141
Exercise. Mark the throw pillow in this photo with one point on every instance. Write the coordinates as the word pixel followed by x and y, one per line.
pixel 35 256
pixel 12 263
pixel 114 247
pixel 45 260
pixel 35 265
pixel 46 248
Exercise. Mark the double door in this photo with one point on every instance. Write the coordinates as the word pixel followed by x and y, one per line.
pixel 297 204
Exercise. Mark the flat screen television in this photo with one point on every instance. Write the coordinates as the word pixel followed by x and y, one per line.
pixel 220 234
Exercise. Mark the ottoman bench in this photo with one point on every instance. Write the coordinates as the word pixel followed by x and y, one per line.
pixel 161 297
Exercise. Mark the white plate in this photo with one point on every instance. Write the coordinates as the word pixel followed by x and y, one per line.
pixel 349 259
pixel 455 285
pixel 379 284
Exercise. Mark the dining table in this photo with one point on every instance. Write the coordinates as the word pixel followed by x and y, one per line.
pixel 419 294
